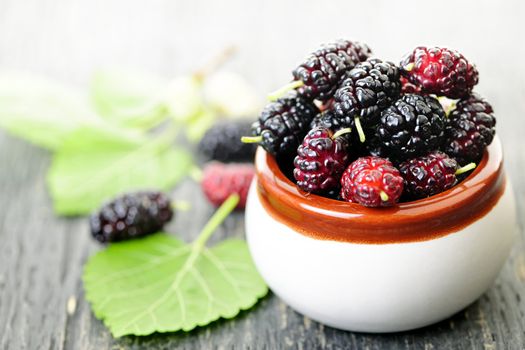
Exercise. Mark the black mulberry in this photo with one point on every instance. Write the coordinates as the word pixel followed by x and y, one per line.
pixel 413 126
pixel 222 142
pixel 322 70
pixel 470 128
pixel 366 90
pixel 283 124
pixel 131 215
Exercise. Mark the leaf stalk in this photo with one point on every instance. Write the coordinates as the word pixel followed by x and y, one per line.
pixel 220 215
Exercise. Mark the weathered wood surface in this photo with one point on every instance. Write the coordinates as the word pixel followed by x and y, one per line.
pixel 41 256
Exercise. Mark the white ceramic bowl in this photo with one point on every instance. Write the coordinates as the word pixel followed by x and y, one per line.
pixel 381 270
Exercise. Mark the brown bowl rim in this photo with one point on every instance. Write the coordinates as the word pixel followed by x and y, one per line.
pixel 324 218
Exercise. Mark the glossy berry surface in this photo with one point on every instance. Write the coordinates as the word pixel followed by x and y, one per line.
pixel 222 142
pixel 320 161
pixel 414 125
pixel 373 147
pixel 428 175
pixel 283 124
pixel 408 88
pixel 131 215
pixel 470 128
pixel 372 182
pixel 366 90
pixel 220 180
pixel 330 120
pixel 322 70
pixel 440 71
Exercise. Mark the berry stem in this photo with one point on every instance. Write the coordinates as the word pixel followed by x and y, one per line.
pixel 341 132
pixel 383 195
pixel 196 174
pixel 181 205
pixel 283 90
pixel 448 104
pixel 465 168
pixel 450 108
pixel 359 128
pixel 224 210
pixel 409 67
pixel 251 139
pixel 215 63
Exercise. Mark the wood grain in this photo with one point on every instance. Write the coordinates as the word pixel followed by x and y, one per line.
pixel 41 256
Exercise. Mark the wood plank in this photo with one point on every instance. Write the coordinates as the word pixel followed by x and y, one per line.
pixel 41 256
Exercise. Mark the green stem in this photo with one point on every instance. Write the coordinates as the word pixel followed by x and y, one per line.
pixel 283 90
pixel 341 132
pixel 196 173
pixel 215 63
pixel 181 205
pixel 359 128
pixel 465 168
pixel 450 108
pixel 448 104
pixel 224 210
pixel 251 139
pixel 384 196
pixel 409 67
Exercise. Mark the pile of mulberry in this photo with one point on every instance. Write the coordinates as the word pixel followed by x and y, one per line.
pixel 367 131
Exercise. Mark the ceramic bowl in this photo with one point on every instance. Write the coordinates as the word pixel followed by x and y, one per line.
pixel 387 269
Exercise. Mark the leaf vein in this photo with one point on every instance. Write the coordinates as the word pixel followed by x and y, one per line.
pixel 206 289
pixel 173 287
pixel 149 265
pixel 225 273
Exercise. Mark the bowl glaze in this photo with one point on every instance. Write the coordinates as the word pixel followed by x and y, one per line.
pixel 387 269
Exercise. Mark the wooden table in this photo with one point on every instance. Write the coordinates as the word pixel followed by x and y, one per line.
pixel 41 255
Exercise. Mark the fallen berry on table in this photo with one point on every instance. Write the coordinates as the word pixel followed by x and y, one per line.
pixel 131 215
pixel 220 180
pixel 222 142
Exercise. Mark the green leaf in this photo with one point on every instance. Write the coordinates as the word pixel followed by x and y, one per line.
pixel 156 284
pixel 160 284
pixel 95 165
pixel 40 111
pixel 129 99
